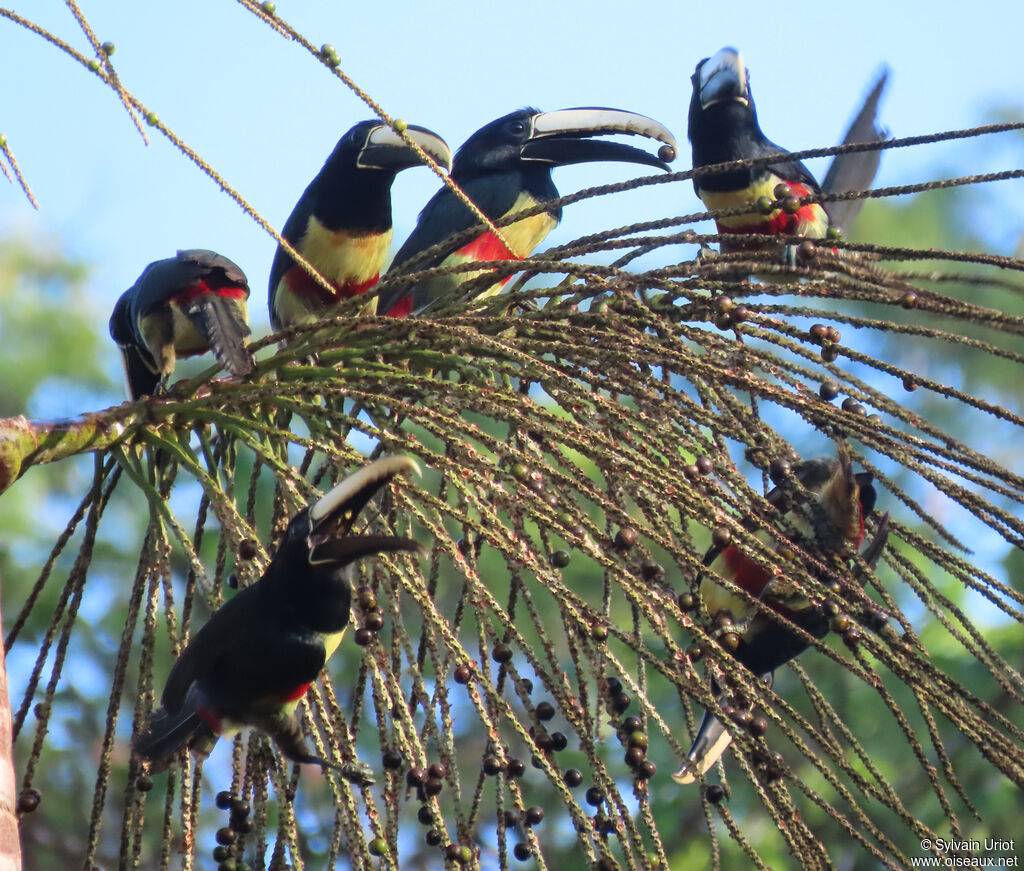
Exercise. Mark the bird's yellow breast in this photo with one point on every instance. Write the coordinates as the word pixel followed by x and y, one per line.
pixel 343 257
pixel 524 236
pixel 810 220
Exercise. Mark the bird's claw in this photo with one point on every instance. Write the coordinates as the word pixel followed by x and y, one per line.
pixel 358 773
pixel 706 255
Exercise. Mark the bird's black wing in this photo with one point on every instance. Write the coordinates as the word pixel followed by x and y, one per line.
pixel 140 368
pixel 788 169
pixel 202 261
pixel 294 229
pixel 445 216
pixel 164 278
pixel 230 622
pixel 268 665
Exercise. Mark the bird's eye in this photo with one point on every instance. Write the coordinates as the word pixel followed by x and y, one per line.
pixel 516 126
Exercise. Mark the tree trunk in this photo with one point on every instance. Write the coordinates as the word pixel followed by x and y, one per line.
pixel 10 844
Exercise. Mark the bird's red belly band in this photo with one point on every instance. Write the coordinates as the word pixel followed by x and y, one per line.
pixel 780 223
pixel 201 288
pixel 487 246
pixel 746 574
pixel 210 717
pixel 402 308
pixel 296 693
pixel 301 283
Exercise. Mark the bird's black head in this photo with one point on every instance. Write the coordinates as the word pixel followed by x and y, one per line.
pixel 320 536
pixel 529 137
pixel 866 492
pixel 352 191
pixel 496 146
pixel 722 118
pixel 721 79
pixel 374 147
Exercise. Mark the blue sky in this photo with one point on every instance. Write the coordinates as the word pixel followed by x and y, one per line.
pixel 265 114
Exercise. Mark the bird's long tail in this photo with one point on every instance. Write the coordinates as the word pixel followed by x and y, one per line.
pixel 222 320
pixel 708 746
pixel 711 741
pixel 166 734
pixel 856 170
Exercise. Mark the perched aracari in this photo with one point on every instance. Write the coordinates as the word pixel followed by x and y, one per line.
pixel 342 222
pixel 253 661
pixel 723 127
pixel 505 167
pixel 838 503
pixel 185 305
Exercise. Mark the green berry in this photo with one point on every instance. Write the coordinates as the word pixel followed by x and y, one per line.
pixel 560 559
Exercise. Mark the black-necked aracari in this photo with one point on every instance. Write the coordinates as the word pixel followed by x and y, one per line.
pixel 503 168
pixel 836 503
pixel 188 304
pixel 253 661
pixel 723 127
pixel 342 222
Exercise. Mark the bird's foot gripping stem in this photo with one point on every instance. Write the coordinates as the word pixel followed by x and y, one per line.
pixel 355 772
pixel 706 255
pixel 286 732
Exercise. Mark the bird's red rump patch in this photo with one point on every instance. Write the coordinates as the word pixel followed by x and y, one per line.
pixel 401 309
pixel 487 246
pixel 781 223
pixel 301 283
pixel 296 693
pixel 778 225
pixel 202 288
pixel 746 574
pixel 210 717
